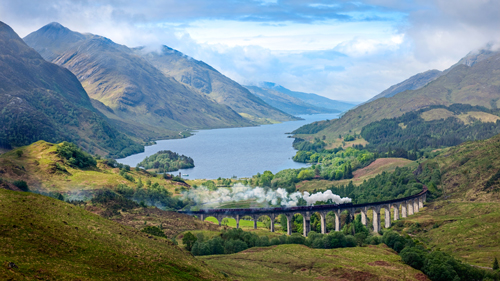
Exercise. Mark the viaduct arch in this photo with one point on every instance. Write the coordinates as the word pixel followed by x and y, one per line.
pixel 409 206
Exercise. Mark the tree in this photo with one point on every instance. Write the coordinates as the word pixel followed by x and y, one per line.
pixel 21 185
pixel 495 264
pixel 188 240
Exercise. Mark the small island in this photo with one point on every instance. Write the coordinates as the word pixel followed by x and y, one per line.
pixel 166 161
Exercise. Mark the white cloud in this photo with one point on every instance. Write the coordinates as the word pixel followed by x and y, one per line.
pixel 338 49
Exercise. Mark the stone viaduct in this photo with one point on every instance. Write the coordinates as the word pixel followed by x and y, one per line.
pixel 409 206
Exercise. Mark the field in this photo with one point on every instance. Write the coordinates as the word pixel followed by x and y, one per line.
pixel 48 239
pixel 377 167
pixel 468 231
pixel 298 262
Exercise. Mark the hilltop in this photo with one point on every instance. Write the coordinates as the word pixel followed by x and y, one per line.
pixel 40 165
pixel 41 100
pixel 286 103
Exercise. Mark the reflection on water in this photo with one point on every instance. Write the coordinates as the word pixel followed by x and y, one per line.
pixel 240 152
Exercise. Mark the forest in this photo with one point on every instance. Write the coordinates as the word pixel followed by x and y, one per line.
pixel 410 132
pixel 166 161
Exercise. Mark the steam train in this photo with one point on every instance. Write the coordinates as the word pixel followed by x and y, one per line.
pixel 276 210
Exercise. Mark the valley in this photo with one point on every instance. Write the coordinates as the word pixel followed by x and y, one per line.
pixel 186 143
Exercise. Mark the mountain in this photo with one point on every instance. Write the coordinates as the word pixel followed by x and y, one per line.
pixel 210 82
pixel 312 99
pixel 287 103
pixel 43 101
pixel 421 79
pixel 413 83
pixel 132 91
pixel 476 84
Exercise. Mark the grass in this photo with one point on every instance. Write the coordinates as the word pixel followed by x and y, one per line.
pixel 441 113
pixel 298 262
pixel 38 166
pixel 465 230
pixel 52 240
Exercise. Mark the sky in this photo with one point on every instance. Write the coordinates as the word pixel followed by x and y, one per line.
pixel 343 50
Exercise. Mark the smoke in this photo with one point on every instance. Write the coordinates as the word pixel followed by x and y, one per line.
pixel 240 192
pixel 324 196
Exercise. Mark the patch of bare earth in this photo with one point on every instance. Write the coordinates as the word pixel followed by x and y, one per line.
pixel 379 263
pixel 378 165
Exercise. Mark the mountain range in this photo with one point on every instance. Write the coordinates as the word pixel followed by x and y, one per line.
pixel 286 103
pixel 473 80
pixel 313 99
pixel 41 100
pixel 140 91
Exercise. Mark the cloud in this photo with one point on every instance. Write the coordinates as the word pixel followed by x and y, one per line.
pixel 340 49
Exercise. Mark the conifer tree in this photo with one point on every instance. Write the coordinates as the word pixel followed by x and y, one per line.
pixel 495 264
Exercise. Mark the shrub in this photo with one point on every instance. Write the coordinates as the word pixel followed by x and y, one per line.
pixel 154 230
pixel 75 156
pixel 21 185
pixel 188 240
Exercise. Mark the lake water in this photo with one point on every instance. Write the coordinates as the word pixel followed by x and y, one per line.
pixel 240 152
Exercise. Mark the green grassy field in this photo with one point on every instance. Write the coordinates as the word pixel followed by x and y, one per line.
pixel 48 239
pixel 298 262
pixel 467 231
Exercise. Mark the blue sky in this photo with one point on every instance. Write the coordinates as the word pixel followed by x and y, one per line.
pixel 345 50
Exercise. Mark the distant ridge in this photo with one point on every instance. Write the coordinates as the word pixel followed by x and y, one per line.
pixel 286 103
pixel 312 99
pixel 413 83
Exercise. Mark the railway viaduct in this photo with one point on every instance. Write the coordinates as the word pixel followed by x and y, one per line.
pixel 409 206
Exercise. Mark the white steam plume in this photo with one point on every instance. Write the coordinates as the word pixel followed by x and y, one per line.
pixel 240 192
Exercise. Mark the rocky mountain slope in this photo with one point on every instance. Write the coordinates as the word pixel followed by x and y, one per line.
pixel 287 103
pixel 206 80
pixel 312 99
pixel 135 92
pixel 41 100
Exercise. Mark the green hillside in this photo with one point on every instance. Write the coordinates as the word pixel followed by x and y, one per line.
pixel 47 239
pixel 44 170
pixel 214 85
pixel 475 85
pixel 43 101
